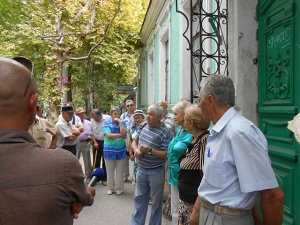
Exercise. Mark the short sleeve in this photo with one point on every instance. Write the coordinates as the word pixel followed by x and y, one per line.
pixel 136 134
pixel 106 130
pixel 79 124
pixel 49 126
pixel 63 130
pixel 249 149
pixel 123 124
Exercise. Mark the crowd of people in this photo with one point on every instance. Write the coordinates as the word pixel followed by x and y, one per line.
pixel 214 160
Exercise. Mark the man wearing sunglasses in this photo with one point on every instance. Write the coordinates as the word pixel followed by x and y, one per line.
pixel 38 186
pixel 127 120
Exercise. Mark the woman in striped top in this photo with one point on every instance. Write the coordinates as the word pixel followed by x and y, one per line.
pixel 190 173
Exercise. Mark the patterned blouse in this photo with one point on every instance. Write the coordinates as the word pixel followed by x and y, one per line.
pixel 114 148
pixel 194 158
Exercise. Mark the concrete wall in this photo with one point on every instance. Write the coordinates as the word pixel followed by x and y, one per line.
pixel 242 54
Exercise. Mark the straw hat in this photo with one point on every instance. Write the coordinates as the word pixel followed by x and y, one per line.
pixel 80 110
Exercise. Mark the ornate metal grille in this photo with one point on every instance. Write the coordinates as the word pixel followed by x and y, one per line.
pixel 208 42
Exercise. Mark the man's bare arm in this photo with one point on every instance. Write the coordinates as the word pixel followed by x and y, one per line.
pixel 162 154
pixel 272 201
pixel 194 219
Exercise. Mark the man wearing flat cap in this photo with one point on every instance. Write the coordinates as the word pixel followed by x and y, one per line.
pixel 67 132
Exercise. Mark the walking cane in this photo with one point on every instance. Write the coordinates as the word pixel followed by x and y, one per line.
pixel 95 159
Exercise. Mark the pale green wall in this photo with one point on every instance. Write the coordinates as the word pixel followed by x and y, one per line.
pixel 143 89
pixel 165 23
pixel 175 36
pixel 175 52
pixel 156 66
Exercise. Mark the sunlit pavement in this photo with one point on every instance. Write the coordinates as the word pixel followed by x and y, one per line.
pixel 109 209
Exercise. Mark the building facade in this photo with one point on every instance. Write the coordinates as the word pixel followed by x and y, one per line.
pixel 163 69
pixel 259 46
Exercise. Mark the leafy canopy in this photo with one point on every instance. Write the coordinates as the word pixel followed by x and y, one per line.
pixel 56 33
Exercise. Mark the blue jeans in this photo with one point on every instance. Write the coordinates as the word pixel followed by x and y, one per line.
pixel 149 182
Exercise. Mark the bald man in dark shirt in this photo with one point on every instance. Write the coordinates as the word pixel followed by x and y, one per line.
pixel 37 186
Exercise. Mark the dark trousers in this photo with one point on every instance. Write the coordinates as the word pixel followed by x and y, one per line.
pixel 99 155
pixel 70 148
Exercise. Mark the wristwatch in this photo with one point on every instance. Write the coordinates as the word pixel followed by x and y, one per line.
pixel 150 151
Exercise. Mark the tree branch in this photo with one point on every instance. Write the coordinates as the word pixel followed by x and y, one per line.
pixel 66 34
pixel 87 6
pixel 108 26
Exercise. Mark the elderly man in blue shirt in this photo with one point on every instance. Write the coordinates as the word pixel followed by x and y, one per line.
pixel 237 168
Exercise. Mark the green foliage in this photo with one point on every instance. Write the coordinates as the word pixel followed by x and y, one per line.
pixel 31 29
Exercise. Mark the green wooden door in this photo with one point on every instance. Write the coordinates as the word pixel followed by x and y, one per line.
pixel 279 93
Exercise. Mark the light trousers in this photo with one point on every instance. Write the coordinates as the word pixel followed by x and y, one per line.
pixel 126 167
pixel 115 174
pixel 174 204
pixel 208 217
pixel 85 150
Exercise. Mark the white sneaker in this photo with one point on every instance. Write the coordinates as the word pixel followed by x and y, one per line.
pixel 119 192
pixel 109 192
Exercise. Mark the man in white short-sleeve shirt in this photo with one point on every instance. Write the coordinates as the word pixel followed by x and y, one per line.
pixel 67 132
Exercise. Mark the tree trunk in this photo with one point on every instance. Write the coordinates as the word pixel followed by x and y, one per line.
pixel 67 83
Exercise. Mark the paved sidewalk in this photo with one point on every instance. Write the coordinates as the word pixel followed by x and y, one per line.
pixel 109 209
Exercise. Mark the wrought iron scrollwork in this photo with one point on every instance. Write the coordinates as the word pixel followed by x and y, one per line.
pixel 208 43
pixel 187 25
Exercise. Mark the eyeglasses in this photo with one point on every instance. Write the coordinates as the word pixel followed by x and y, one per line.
pixel 129 105
pixel 27 86
pixel 29 65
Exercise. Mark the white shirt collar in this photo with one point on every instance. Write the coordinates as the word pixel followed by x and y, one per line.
pixel 224 120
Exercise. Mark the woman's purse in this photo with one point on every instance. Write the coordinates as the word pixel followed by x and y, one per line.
pixel 188 183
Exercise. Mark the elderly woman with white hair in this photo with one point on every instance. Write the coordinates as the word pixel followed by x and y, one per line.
pixel 190 173
pixel 176 151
